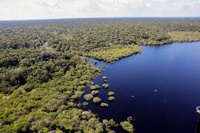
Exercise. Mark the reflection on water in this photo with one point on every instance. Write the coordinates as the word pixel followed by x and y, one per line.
pixel 173 70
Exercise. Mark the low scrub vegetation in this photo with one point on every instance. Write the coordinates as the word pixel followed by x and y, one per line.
pixel 126 125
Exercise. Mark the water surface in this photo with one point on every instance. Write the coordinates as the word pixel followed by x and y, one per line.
pixel 173 70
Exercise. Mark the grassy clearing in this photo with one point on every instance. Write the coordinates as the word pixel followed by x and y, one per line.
pixel 116 52
pixel 184 36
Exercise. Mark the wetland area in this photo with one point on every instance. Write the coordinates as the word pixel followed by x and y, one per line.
pixel 173 70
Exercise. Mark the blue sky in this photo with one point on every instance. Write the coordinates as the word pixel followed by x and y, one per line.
pixel 49 9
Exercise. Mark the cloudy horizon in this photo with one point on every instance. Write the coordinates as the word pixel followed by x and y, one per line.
pixel 52 9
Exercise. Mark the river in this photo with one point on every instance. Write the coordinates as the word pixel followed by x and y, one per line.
pixel 173 70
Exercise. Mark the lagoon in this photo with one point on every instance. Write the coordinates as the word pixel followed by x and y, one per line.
pixel 173 70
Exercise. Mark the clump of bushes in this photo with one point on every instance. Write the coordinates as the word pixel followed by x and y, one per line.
pixel 79 93
pixel 95 87
pixel 95 92
pixel 111 93
pixel 85 104
pixel 105 86
pixel 81 88
pixel 130 118
pixel 126 125
pixel 84 82
pixel 105 79
pixel 104 105
pixel 88 97
pixel 109 123
pixel 74 97
pixel 70 104
pixel 111 98
pixel 96 100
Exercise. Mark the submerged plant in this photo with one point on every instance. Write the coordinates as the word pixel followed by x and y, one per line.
pixel 155 91
pixel 105 79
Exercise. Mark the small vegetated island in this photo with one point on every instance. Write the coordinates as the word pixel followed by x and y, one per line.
pixel 44 67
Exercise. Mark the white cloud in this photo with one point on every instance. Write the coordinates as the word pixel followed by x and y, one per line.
pixel 187 5
pixel 148 5
pixel 160 0
pixel 43 9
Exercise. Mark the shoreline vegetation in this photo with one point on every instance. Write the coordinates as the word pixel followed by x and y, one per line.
pixel 44 68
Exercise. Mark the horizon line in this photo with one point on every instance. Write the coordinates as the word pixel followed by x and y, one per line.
pixel 97 18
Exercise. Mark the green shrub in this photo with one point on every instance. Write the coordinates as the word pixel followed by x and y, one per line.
pixel 127 126
pixel 111 98
pixel 21 125
pixel 45 130
pixel 81 88
pixel 95 92
pixel 59 131
pixel 74 97
pixel 96 100
pixel 85 104
pixel 88 97
pixel 94 87
pixel 105 79
pixel 105 86
pixel 79 93
pixel 104 105
pixel 111 93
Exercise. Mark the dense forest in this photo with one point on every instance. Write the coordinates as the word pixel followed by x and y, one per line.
pixel 44 68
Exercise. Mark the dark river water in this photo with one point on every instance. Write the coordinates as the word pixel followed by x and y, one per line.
pixel 173 70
